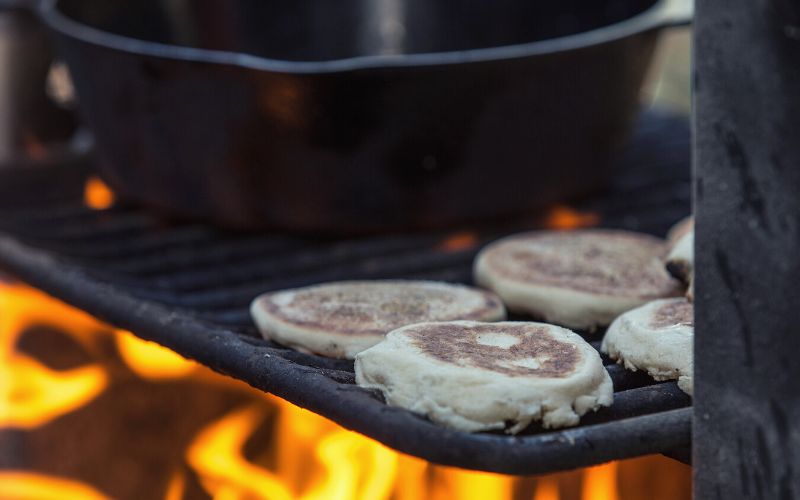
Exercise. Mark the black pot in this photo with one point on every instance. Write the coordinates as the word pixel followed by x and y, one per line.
pixel 355 115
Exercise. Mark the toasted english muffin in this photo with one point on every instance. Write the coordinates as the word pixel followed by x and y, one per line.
pixel 578 279
pixel 679 230
pixel 657 338
pixel 474 376
pixel 680 261
pixel 340 319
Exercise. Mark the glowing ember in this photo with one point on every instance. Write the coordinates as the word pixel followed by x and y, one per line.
pixel 97 194
pixel 18 485
pixel 459 241
pixel 563 217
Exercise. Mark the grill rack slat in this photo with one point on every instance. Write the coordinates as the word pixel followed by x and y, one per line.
pixel 237 293
pixel 187 286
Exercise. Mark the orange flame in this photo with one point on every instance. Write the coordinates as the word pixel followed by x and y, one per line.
pixel 564 217
pixel 97 195
pixel 459 241
pixel 216 456
pixel 31 394
pixel 343 464
pixel 470 485
pixel 600 482
pixel 149 360
pixel 176 486
pixel 546 489
pixel 20 485
pixel 317 460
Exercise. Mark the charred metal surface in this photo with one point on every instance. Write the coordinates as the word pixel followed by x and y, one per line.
pixel 188 286
pixel 747 118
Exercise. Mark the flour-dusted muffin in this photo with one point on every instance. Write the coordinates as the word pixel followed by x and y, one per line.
pixel 657 338
pixel 680 261
pixel 475 376
pixel 679 230
pixel 578 279
pixel 343 318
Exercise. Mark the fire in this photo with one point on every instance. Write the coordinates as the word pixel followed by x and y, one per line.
pixel 317 460
pixel 31 394
pixel 459 241
pixel 216 456
pixel 342 465
pixel 149 360
pixel 564 217
pixel 176 486
pixel 600 483
pixel 546 489
pixel 35 395
pixel 97 194
pixel 306 456
pixel 18 485
pixel 468 485
pixel 353 468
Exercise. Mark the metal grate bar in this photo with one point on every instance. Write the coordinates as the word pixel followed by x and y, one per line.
pixel 237 294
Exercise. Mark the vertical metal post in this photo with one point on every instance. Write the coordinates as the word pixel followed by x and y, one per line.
pixel 747 160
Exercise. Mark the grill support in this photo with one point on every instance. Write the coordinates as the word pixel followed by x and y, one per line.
pixel 747 118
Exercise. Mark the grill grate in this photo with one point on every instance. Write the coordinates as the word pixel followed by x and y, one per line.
pixel 188 287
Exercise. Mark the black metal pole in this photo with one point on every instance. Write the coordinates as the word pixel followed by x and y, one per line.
pixel 747 158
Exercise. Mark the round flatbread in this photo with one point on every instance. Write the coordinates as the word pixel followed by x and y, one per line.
pixel 578 279
pixel 680 261
pixel 680 229
pixel 343 318
pixel 657 338
pixel 475 376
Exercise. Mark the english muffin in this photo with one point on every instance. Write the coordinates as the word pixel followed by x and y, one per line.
pixel 680 229
pixel 656 337
pixel 475 376
pixel 680 262
pixel 340 319
pixel 578 279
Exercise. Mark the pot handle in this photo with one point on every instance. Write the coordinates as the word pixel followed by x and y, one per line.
pixel 676 13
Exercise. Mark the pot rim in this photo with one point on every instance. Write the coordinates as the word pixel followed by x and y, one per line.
pixel 663 13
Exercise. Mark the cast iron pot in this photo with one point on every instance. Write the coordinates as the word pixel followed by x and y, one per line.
pixel 355 115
